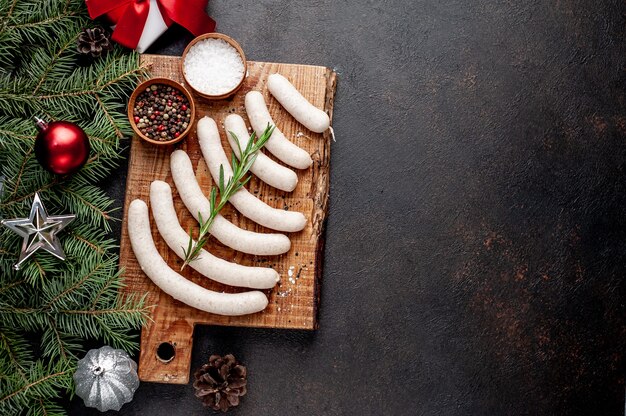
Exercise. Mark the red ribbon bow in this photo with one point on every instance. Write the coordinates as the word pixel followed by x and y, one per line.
pixel 130 17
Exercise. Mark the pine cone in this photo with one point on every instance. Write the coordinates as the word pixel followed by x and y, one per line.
pixel 221 382
pixel 94 42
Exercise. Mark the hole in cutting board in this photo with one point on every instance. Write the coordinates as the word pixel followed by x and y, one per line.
pixel 166 352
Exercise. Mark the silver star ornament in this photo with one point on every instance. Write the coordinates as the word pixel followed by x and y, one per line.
pixel 39 231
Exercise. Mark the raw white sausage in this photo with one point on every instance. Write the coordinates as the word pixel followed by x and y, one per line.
pixel 175 285
pixel 299 107
pixel 226 232
pixel 278 144
pixel 270 172
pixel 208 265
pixel 246 203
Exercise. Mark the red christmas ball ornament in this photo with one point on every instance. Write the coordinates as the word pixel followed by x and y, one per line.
pixel 61 147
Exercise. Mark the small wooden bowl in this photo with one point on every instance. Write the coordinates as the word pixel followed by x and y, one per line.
pixel 232 43
pixel 173 84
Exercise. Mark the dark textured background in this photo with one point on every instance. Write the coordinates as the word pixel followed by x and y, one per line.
pixel 476 237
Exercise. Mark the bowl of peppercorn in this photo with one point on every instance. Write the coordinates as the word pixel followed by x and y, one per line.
pixel 161 111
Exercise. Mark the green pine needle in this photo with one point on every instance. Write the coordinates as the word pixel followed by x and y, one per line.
pixel 59 305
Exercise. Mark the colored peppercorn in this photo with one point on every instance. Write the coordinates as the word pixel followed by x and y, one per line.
pixel 161 112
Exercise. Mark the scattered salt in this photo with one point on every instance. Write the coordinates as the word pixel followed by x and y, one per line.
pixel 213 67
pixel 284 293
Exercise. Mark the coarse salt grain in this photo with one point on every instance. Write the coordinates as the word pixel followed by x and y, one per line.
pixel 213 67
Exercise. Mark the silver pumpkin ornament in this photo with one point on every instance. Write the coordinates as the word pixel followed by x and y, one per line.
pixel 106 379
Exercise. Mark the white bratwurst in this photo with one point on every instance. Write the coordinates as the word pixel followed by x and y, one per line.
pixel 278 144
pixel 208 265
pixel 246 203
pixel 270 172
pixel 175 285
pixel 226 232
pixel 299 107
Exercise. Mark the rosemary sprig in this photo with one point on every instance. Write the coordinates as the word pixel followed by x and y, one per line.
pixel 235 183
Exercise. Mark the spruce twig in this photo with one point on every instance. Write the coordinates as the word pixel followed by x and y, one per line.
pixel 66 303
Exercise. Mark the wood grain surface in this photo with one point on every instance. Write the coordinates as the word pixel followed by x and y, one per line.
pixel 293 302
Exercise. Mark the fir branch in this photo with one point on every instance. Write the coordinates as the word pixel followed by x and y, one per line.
pixel 10 12
pixel 27 157
pixel 65 303
pixel 30 385
pixel 91 245
pixel 56 60
pixel 77 284
pixel 40 272
pixel 10 286
pixel 226 190
pixel 118 131
pixel 42 383
pixel 110 313
pixel 103 295
pixel 29 195
pixel 88 202
pixel 16 350
pixel 48 21
pixel 55 344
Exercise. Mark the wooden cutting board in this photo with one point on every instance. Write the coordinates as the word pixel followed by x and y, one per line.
pixel 294 302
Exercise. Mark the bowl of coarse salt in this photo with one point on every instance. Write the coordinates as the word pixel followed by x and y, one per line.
pixel 214 66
